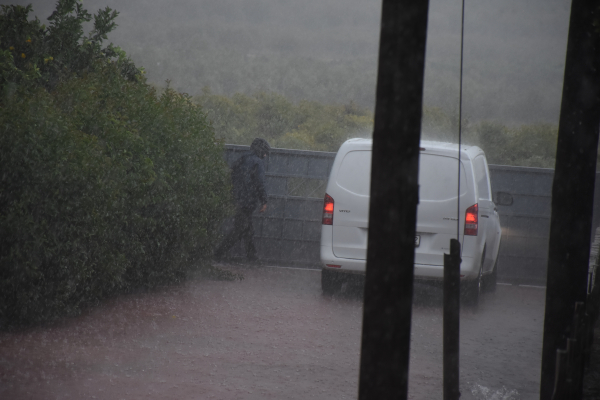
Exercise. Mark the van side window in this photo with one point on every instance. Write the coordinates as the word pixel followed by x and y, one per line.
pixel 438 178
pixel 481 177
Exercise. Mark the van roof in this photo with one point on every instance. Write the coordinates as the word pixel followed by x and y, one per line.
pixel 429 146
pixel 467 151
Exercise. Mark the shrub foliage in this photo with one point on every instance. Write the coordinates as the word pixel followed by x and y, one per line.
pixel 310 125
pixel 307 125
pixel 105 186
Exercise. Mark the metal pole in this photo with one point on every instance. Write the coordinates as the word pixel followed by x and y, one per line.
pixel 393 204
pixel 573 187
pixel 451 321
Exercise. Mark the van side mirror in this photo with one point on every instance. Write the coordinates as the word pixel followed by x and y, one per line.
pixel 504 199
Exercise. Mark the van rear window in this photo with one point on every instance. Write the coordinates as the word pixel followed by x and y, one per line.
pixel 354 174
pixel 437 175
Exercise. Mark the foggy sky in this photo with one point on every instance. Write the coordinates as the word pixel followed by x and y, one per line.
pixel 513 65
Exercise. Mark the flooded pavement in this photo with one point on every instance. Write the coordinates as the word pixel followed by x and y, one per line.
pixel 270 336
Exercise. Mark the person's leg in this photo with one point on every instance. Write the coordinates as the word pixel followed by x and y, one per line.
pixel 248 236
pixel 239 227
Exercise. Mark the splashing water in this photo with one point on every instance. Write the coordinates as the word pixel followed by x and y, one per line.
pixel 485 393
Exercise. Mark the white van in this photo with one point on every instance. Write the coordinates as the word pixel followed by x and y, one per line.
pixel 346 216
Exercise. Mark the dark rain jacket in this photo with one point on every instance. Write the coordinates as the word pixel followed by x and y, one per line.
pixel 248 181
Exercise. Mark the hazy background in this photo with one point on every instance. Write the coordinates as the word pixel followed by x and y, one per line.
pixel 326 50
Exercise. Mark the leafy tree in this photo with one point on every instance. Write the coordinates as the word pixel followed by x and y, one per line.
pixel 39 55
pixel 105 185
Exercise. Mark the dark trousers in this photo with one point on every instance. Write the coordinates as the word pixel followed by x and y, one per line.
pixel 242 229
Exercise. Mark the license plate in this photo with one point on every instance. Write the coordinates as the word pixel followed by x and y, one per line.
pixel 417 240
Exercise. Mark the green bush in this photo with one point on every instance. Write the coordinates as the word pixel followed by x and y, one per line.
pixel 307 125
pixel 34 54
pixel 55 204
pixel 525 145
pixel 104 186
pixel 310 125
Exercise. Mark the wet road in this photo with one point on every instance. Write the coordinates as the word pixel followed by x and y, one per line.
pixel 270 336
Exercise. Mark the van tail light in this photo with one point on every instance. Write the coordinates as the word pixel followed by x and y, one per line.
pixel 471 220
pixel 328 210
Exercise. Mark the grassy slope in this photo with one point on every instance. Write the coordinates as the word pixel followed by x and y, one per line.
pixel 326 50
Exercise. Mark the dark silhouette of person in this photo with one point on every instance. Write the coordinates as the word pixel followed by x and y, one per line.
pixel 249 191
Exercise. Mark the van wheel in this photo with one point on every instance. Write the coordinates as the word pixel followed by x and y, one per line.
pixel 331 282
pixel 471 290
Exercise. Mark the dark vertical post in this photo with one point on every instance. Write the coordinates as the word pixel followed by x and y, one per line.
pixel 573 187
pixel 451 320
pixel 394 198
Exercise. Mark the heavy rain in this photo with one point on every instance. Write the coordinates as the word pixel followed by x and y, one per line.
pixel 152 247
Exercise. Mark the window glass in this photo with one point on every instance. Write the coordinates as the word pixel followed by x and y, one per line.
pixel 437 175
pixel 354 174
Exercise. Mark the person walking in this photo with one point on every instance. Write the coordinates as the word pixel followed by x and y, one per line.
pixel 249 191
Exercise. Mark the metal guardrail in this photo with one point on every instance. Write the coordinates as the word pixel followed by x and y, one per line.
pixel 289 231
pixel 525 224
pixel 523 255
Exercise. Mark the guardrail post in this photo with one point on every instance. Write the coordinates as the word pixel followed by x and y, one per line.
pixel 451 321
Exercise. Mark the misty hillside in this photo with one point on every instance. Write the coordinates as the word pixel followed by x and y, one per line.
pixel 326 50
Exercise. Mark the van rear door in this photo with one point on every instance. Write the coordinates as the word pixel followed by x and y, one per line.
pixel 351 214
pixel 489 222
pixel 438 217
